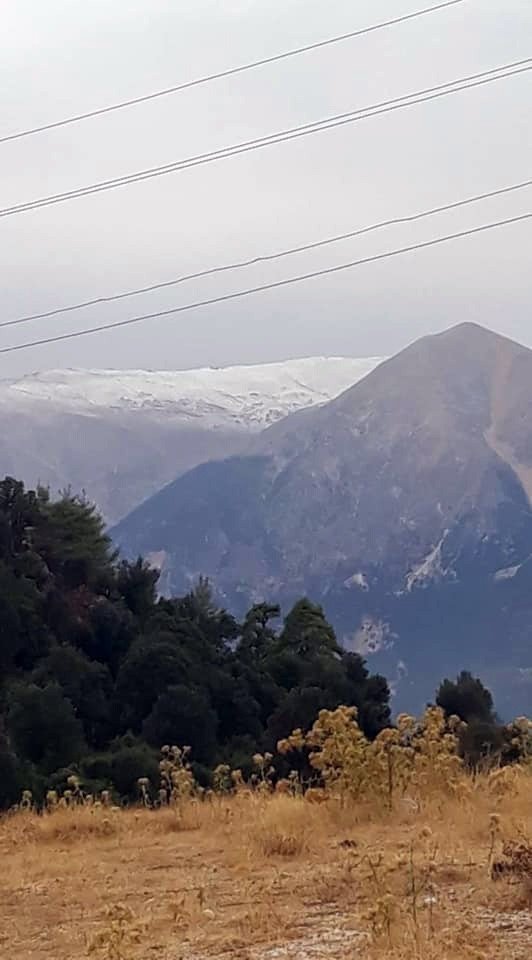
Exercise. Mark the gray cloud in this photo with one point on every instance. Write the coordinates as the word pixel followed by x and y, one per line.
pixel 63 57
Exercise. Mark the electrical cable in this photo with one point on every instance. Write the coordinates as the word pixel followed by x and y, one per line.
pixel 267 286
pixel 231 71
pixel 264 258
pixel 362 113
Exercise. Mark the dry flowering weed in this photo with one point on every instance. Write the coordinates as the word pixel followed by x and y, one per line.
pixel 121 935
pixel 177 779
pixel 415 758
pixel 393 849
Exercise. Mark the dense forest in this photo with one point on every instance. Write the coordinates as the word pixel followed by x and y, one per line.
pixel 97 672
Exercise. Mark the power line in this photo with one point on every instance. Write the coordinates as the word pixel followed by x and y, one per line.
pixel 317 126
pixel 267 286
pixel 264 258
pixel 229 72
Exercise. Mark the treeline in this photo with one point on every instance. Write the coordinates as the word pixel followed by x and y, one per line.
pixel 97 672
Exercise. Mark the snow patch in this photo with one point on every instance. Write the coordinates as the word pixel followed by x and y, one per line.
pixel 372 636
pixel 429 569
pixel 157 560
pixel 240 397
pixel 357 580
pixel 508 573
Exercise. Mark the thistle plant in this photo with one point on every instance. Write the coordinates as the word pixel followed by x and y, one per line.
pixel 222 779
pixel 120 935
pixel 415 756
pixel 143 784
pixel 177 779
pixel 262 779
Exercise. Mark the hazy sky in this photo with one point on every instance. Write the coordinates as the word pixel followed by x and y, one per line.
pixel 67 56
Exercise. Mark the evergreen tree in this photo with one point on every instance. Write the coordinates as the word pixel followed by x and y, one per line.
pixel 257 636
pixel 43 727
pixel 467 698
pixel 136 583
pixel 307 633
pixel 183 715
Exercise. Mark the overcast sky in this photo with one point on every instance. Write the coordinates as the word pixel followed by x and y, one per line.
pixel 66 56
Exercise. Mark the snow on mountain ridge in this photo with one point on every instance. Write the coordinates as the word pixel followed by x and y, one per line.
pixel 250 397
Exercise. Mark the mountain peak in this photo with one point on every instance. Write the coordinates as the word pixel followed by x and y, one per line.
pixel 460 365
pixel 404 506
pixel 470 334
pixel 467 328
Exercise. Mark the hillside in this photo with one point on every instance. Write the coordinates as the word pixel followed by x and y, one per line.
pixel 120 435
pixel 403 506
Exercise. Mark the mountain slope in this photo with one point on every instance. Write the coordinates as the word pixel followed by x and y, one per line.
pixel 121 435
pixel 249 397
pixel 403 505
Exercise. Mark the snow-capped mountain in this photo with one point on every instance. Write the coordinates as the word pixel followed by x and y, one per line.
pixel 404 506
pixel 249 397
pixel 120 435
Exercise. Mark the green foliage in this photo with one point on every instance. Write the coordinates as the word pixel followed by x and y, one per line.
pixel 150 666
pixel 298 710
pixel 257 637
pixel 307 633
pixel 87 684
pixel 128 763
pixel 482 739
pixel 136 584
pixel 97 673
pixel 43 726
pixel 70 539
pixel 466 698
pixel 183 715
pixel 12 776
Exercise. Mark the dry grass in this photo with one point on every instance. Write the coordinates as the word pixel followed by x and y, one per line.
pixel 270 877
pixel 284 827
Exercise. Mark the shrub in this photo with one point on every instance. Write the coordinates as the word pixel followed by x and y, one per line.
pixel 128 765
pixel 416 755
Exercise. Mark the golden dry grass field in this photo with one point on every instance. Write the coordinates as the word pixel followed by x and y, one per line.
pixel 268 877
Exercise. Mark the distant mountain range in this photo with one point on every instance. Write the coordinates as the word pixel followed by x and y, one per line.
pixel 120 435
pixel 403 505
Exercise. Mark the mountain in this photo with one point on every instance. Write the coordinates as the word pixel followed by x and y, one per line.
pixel 403 505
pixel 120 435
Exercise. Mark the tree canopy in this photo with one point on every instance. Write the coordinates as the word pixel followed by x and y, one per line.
pixel 466 698
pixel 97 672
